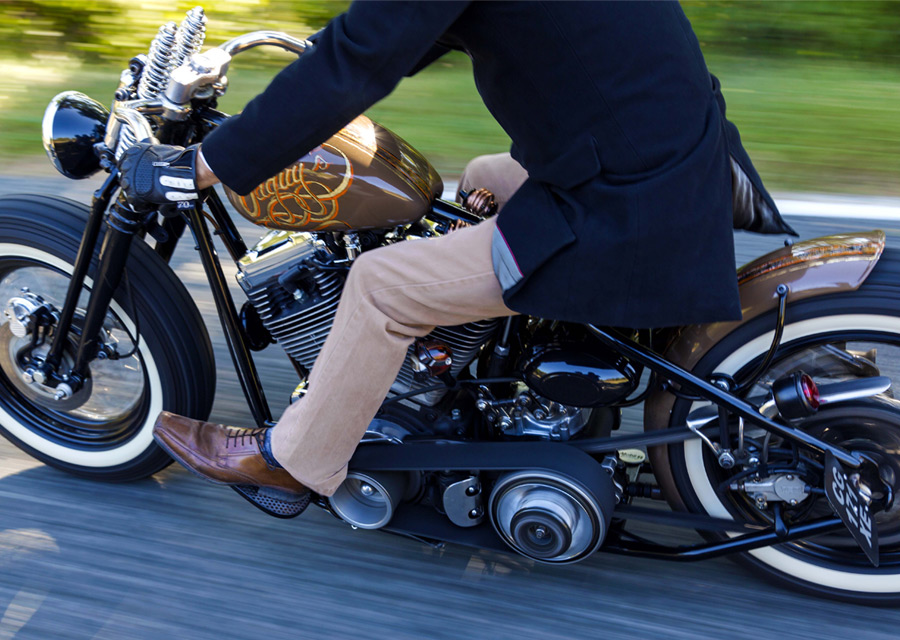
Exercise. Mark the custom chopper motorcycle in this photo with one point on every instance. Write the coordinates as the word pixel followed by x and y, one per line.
pixel 777 438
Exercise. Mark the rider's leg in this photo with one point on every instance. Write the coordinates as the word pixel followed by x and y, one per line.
pixel 498 173
pixel 392 295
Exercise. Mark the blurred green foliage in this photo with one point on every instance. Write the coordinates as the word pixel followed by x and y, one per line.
pixel 98 30
pixel 866 30
pixel 107 30
pixel 814 85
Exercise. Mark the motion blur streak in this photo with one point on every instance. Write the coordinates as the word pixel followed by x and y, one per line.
pixel 24 604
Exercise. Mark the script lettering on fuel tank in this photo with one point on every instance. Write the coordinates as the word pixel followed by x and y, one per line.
pixel 305 195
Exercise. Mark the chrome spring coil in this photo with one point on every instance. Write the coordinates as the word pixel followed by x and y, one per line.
pixel 190 37
pixel 127 139
pixel 155 75
pixel 131 126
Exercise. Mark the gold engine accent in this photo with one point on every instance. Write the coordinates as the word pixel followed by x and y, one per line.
pixel 363 177
pixel 481 202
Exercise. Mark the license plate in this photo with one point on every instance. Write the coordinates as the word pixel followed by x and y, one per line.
pixel 851 506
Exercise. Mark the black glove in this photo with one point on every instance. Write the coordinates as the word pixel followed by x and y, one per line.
pixel 159 174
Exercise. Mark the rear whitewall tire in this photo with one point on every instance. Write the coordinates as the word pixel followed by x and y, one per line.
pixel 847 581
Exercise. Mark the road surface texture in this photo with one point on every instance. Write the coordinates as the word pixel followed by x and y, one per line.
pixel 175 557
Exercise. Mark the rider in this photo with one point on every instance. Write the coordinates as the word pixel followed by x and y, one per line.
pixel 625 218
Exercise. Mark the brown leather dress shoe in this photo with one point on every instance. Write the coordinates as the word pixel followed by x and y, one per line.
pixel 226 455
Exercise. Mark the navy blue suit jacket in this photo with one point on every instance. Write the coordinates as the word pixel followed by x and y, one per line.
pixel 626 217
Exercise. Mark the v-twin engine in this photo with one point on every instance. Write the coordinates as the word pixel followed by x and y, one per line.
pixel 297 298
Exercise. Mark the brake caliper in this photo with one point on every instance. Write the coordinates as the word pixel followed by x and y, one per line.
pixel 27 313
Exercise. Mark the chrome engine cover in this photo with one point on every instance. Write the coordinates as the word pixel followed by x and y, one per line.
pixel 299 326
pixel 300 320
pixel 531 415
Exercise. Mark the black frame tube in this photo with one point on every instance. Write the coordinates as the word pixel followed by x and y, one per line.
pixel 421 522
pixel 244 365
pixel 231 237
pixel 597 446
pixel 782 292
pixel 173 228
pixel 738 544
pixel 452 212
pixel 719 396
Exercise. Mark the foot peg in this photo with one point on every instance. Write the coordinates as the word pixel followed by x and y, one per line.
pixel 276 503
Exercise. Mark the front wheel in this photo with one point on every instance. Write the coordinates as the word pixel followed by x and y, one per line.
pixel 104 431
pixel 832 338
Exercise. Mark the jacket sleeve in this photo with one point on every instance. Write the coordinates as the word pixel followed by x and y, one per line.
pixel 433 54
pixel 357 60
pixel 753 206
pixel 437 51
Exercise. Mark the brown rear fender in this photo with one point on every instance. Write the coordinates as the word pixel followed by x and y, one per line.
pixel 817 267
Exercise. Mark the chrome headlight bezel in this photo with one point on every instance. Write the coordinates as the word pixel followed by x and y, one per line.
pixel 73 123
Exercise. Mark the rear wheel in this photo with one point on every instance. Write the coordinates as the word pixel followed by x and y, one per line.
pixel 103 431
pixel 831 338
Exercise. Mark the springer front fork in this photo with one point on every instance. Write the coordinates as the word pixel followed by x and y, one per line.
pixel 122 225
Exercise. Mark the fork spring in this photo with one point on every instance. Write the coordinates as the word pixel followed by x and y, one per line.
pixel 190 37
pixel 155 76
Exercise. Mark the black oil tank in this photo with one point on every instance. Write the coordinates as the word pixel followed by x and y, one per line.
pixel 580 375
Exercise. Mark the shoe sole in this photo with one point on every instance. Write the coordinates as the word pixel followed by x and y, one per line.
pixel 268 504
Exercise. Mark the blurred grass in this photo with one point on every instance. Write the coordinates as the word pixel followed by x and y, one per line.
pixel 817 125
pixel 810 124
pixel 438 111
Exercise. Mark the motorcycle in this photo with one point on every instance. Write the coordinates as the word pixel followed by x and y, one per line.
pixel 776 437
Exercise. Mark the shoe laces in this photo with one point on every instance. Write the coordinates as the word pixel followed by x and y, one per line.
pixel 238 437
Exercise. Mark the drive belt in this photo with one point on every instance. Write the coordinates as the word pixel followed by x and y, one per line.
pixel 445 455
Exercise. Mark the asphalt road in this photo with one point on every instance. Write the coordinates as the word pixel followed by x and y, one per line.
pixel 175 557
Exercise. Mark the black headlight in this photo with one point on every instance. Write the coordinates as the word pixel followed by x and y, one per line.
pixel 73 124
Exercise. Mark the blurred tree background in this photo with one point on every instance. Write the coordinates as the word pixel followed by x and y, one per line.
pixel 96 31
pixel 814 85
pixel 867 30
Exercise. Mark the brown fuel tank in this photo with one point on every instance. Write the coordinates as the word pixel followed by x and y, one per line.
pixel 363 177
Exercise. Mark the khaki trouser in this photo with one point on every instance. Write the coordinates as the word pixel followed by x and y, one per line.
pixel 392 295
pixel 498 173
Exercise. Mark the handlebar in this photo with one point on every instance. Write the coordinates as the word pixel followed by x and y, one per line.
pixel 128 124
pixel 126 127
pixel 254 39
pixel 208 68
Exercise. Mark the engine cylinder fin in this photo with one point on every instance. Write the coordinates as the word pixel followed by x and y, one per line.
pixel 301 326
pixel 465 341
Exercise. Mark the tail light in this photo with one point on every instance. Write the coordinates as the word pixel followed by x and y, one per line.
pixel 796 395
